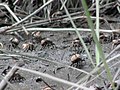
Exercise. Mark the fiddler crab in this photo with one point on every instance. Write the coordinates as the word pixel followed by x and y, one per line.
pixel 105 38
pixel 47 43
pixel 77 61
pixel 115 43
pixel 28 46
pixel 76 43
pixel 37 36
pixel 13 43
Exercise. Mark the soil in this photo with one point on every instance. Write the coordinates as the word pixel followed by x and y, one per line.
pixel 55 57
pixel 61 53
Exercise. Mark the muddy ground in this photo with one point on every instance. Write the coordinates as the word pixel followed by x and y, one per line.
pixel 54 17
pixel 62 54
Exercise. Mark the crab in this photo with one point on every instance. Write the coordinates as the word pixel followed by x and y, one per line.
pixel 76 43
pixel 13 43
pixel 28 46
pixel 116 35
pixel 105 38
pixel 115 43
pixel 47 43
pixel 17 78
pixel 37 36
pixel 77 61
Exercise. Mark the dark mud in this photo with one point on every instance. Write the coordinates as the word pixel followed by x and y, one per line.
pixel 61 53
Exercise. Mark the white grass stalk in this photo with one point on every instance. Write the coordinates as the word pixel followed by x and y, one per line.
pixel 97 31
pixel 66 29
pixel 15 2
pixel 65 1
pixel 53 78
pixel 45 9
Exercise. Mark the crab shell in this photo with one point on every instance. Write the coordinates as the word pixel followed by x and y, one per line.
pixel 76 41
pixel 44 41
pixel 37 34
pixel 14 41
pixel 75 58
pixel 115 41
pixel 25 45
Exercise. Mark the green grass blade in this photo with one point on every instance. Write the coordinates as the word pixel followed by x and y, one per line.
pixel 99 47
